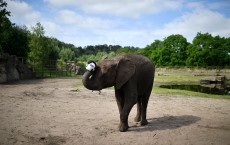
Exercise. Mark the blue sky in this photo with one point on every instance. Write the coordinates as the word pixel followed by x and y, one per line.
pixel 122 22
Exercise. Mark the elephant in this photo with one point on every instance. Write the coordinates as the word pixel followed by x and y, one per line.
pixel 132 76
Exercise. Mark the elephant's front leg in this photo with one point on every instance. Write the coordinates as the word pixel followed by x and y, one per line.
pixel 120 100
pixel 129 101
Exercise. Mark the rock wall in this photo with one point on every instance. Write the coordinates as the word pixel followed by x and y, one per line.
pixel 11 69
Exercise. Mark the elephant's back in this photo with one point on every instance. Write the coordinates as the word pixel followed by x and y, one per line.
pixel 141 62
pixel 137 59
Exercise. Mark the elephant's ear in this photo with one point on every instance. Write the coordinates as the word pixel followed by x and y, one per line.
pixel 125 71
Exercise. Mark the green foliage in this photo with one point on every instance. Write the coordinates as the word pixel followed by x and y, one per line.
pixel 97 57
pixel 175 51
pixel 18 41
pixel 170 52
pixel 60 63
pixel 127 49
pixel 151 50
pixel 41 47
pixel 207 50
pixel 37 44
pixel 111 54
pixel 3 12
pixel 66 54
pixel 14 39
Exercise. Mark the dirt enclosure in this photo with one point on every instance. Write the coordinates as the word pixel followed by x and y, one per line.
pixel 62 112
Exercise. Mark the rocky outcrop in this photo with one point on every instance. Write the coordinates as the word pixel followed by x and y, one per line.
pixel 11 69
pixel 213 80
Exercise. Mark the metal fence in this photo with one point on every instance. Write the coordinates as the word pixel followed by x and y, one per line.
pixel 53 68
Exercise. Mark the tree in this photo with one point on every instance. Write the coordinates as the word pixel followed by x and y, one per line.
pixel 5 25
pixel 114 47
pixel 38 45
pixel 207 50
pixel 198 51
pixel 111 54
pixel 38 30
pixel 173 51
pixel 220 49
pixel 52 46
pixel 66 54
pixel 17 43
pixel 154 51
pixel 3 12
pixel 170 52
pixel 90 50
pixel 227 52
pixel 14 39
pixel 126 49
pixel 78 51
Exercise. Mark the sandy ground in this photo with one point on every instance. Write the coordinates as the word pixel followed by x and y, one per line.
pixel 61 111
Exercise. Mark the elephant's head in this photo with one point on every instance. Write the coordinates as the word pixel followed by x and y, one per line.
pixel 108 73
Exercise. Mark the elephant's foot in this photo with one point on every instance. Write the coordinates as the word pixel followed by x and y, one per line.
pixel 137 118
pixel 144 122
pixel 123 127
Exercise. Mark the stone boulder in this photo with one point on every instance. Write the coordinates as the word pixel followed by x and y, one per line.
pixel 213 80
pixel 11 69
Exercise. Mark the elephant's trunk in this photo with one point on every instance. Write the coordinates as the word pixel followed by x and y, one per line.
pixel 89 81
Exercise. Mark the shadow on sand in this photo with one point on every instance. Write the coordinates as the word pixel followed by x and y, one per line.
pixel 166 122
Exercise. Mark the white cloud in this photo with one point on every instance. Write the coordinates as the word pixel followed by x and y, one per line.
pixel 51 28
pixel 201 20
pixel 72 18
pixel 92 27
pixel 22 13
pixel 130 8
pixel 110 37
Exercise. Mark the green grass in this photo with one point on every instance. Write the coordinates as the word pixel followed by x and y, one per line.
pixel 181 78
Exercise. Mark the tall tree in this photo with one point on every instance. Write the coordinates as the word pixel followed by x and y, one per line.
pixel 5 25
pixel 37 44
pixel 66 54
pixel 227 52
pixel 170 52
pixel 152 51
pixel 207 50
pixel 14 39
pixel 174 49
pixel 18 41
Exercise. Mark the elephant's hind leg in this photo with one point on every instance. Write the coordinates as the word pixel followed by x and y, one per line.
pixel 144 104
pixel 138 116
